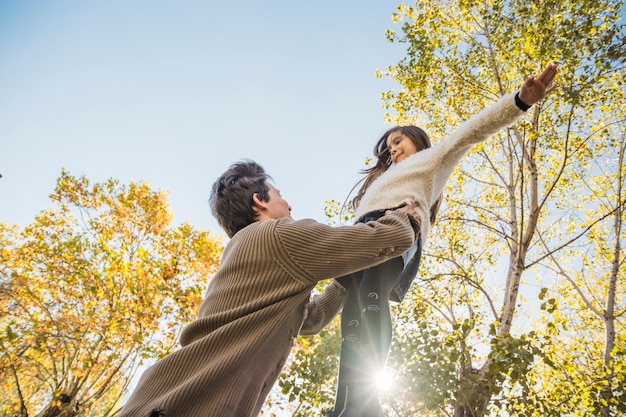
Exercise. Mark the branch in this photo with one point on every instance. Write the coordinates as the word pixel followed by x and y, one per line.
pixel 564 274
pixel 23 409
pixel 492 58
pixel 478 222
pixel 495 169
pixel 561 170
pixel 465 277
pixel 575 238
pixel 480 180
pixel 575 150
pixel 440 311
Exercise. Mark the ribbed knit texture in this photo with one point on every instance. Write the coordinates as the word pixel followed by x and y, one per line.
pixel 256 304
pixel 422 176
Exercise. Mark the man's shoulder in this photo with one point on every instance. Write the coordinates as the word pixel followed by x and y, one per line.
pixel 273 233
pixel 273 225
pixel 277 228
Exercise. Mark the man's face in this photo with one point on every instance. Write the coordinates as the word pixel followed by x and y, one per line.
pixel 277 207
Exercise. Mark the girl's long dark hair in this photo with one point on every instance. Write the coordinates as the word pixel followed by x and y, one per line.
pixel 383 161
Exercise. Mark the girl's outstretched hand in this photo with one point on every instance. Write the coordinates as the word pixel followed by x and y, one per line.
pixel 537 87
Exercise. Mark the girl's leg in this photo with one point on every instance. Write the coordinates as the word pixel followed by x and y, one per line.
pixel 377 328
pixel 349 360
pixel 375 338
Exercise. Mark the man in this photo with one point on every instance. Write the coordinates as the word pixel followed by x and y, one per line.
pixel 260 300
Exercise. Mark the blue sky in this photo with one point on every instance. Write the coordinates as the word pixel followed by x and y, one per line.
pixel 171 93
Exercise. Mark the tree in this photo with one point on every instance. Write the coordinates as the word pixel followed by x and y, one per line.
pixel 516 209
pixel 510 207
pixel 96 286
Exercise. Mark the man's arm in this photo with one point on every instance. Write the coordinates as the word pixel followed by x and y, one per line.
pixel 317 252
pixel 322 309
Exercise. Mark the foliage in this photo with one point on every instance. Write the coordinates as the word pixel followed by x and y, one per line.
pixel 91 290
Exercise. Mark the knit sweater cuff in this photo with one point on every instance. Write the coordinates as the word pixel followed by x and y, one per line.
pixel 518 101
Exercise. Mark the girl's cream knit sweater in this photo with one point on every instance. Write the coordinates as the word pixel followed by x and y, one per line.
pixel 422 176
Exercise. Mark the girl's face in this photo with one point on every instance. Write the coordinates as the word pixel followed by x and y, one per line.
pixel 400 146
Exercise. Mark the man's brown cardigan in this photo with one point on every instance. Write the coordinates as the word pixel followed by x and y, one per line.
pixel 256 304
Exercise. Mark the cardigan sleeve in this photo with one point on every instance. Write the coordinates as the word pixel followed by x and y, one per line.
pixel 316 251
pixel 322 309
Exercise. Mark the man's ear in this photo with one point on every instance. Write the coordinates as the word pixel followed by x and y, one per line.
pixel 257 204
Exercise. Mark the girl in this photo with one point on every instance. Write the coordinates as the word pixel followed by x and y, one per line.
pixel 408 172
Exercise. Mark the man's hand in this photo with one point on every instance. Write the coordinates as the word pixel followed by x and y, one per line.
pixel 409 208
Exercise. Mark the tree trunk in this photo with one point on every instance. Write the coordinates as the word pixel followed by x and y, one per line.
pixel 61 406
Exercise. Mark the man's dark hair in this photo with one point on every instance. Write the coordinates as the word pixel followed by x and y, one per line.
pixel 231 195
